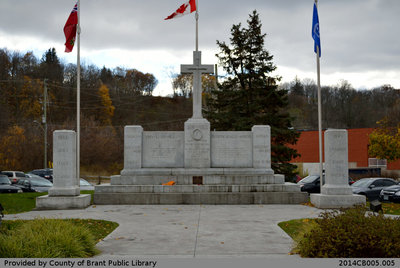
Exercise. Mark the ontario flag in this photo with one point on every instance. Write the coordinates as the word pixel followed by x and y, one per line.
pixel 184 9
pixel 70 29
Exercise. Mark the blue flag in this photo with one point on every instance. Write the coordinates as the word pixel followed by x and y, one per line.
pixel 315 30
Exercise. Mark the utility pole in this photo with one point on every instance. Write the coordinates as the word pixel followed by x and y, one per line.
pixel 44 121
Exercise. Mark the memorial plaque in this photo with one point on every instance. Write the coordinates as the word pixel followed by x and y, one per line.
pixel 163 148
pixel 231 149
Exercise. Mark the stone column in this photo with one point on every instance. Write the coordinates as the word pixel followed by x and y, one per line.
pixel 336 163
pixel 65 193
pixel 336 192
pixel 261 147
pixel 197 143
pixel 65 182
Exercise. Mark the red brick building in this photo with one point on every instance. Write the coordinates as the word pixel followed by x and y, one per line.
pixel 358 139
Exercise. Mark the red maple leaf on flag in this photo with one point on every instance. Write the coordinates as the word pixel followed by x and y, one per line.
pixel 183 10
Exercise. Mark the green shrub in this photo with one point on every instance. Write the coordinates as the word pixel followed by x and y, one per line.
pixel 351 233
pixel 46 238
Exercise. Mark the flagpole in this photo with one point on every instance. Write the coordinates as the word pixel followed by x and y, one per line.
pixel 197 26
pixel 78 95
pixel 319 115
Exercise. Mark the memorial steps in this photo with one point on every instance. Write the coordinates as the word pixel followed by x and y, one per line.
pixel 205 198
pixel 212 189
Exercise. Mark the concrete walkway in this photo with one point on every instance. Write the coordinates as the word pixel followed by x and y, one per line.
pixel 190 231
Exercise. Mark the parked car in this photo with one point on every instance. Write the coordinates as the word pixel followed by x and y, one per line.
pixel 14 176
pixel 311 184
pixel 391 194
pixel 371 187
pixel 34 184
pixel 31 175
pixel 46 173
pixel 85 185
pixel 6 187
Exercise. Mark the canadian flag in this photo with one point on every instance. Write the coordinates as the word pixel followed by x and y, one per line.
pixel 184 9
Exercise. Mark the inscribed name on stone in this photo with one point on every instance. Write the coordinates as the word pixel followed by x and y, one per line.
pixel 231 149
pixel 163 149
pixel 336 157
pixel 64 157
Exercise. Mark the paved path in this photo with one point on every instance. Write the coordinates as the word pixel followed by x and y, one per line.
pixel 190 231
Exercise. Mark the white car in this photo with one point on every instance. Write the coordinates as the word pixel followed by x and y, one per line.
pixel 14 176
pixel 85 185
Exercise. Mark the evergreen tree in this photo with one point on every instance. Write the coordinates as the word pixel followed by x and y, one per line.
pixel 250 96
pixel 51 67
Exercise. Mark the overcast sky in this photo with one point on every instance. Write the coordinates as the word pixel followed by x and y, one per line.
pixel 360 39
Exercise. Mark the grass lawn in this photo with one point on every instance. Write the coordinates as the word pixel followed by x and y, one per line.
pixel 23 202
pixel 17 203
pixel 295 227
pixel 390 208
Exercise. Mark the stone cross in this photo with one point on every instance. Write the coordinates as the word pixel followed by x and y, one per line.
pixel 197 70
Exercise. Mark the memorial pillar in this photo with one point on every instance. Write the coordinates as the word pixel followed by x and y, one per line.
pixel 65 182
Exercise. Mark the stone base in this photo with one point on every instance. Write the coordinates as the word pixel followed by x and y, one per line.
pixel 218 186
pixel 206 198
pixel 329 189
pixel 337 201
pixel 64 191
pixel 63 202
pixel 287 187
pixel 209 176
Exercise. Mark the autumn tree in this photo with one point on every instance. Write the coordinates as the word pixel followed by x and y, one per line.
pixel 182 84
pixel 102 150
pixel 136 82
pixel 107 110
pixel 249 95
pixel 384 141
pixel 12 149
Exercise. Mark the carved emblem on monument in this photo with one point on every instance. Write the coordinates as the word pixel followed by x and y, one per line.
pixel 197 134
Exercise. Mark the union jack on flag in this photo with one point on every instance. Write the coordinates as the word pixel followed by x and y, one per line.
pixel 70 29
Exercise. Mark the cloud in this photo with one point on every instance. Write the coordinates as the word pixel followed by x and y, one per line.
pixel 358 36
